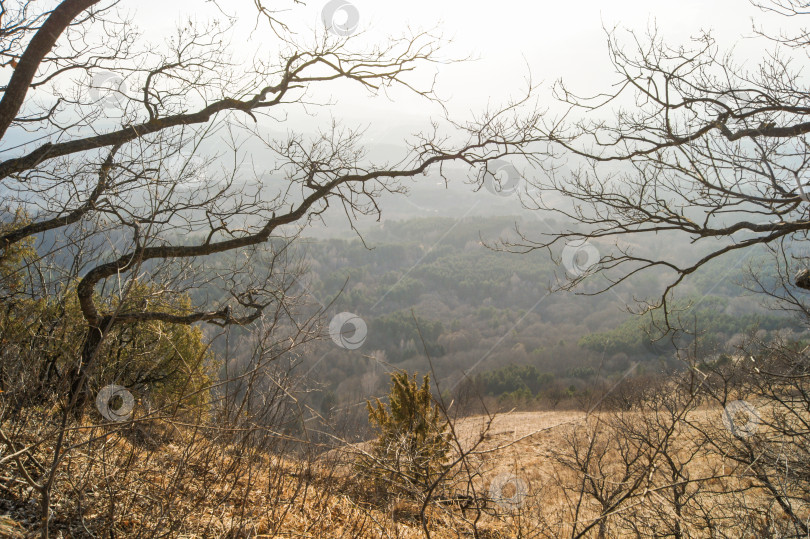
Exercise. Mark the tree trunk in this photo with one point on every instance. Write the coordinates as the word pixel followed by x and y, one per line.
pixel 79 395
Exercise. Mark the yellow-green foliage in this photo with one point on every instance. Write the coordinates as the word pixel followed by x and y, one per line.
pixel 172 359
pixel 13 257
pixel 412 447
pixel 41 338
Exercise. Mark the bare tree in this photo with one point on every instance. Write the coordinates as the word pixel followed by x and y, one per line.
pixel 764 431
pixel 140 187
pixel 691 142
pixel 687 141
pixel 115 164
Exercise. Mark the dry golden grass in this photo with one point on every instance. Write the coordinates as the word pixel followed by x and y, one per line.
pixel 528 446
pixel 206 489
pixel 213 489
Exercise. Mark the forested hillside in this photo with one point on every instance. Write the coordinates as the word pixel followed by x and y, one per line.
pixel 398 269
pixel 441 286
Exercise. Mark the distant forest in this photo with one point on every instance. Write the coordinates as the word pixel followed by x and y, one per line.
pixel 436 288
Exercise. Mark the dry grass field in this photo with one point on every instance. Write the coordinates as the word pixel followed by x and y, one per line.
pixel 522 477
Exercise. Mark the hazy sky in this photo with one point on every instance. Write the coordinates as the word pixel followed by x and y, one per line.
pixel 508 38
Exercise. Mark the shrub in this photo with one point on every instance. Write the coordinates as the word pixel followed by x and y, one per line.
pixel 412 448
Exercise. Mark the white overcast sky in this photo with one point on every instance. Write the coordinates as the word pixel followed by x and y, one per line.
pixel 560 39
pixel 508 39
